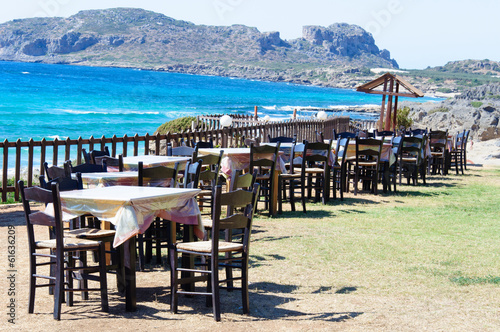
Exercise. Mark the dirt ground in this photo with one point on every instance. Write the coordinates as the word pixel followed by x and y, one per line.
pixel 274 305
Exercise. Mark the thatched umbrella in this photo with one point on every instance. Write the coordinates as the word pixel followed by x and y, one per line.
pixel 391 84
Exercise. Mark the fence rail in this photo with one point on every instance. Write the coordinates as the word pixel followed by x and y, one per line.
pixel 21 154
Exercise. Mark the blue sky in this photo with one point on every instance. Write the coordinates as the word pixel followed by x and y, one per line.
pixel 417 33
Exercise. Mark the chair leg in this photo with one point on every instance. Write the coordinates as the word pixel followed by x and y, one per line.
pixel 59 288
pixel 244 284
pixel 291 194
pixel 140 246
pixel 31 303
pixel 215 287
pixel 280 194
pixel 69 279
pixel 102 278
pixel 82 282
pixel 173 281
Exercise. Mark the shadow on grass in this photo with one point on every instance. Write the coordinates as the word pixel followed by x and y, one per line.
pixel 267 303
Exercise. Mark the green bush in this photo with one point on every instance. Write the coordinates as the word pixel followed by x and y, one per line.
pixel 439 109
pixel 403 118
pixel 476 104
pixel 177 125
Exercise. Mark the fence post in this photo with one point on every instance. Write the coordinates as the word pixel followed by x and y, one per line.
pixel 5 169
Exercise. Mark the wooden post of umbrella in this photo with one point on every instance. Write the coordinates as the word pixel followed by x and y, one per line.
pixel 394 82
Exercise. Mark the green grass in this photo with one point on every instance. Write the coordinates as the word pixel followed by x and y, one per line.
pixel 422 239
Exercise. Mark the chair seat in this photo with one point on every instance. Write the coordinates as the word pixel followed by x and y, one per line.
pixel 207 223
pixel 314 170
pixel 409 159
pixel 90 233
pixel 71 243
pixel 437 154
pixel 206 246
pixel 290 176
pixel 367 163
pixel 205 192
pixel 263 177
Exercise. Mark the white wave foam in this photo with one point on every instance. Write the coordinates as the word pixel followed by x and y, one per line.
pixel 269 108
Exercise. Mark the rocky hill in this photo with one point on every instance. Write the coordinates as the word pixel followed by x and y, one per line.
pixel 126 37
pixel 477 109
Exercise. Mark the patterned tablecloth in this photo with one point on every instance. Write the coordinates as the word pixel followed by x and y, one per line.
pixel 131 163
pixel 387 154
pixel 236 158
pixel 132 209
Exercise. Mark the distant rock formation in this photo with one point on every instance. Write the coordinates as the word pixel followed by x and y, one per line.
pixel 127 37
pixel 477 109
pixel 345 40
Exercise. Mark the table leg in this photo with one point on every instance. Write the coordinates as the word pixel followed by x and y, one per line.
pixel 273 204
pixel 129 271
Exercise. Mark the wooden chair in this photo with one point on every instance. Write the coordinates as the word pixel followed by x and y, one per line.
pixel 317 170
pixel 209 178
pixel 98 153
pixel 79 228
pixel 213 248
pixel 294 179
pixel 339 168
pixel 415 132
pixel 319 137
pixel 457 153
pixel 87 168
pixel 53 172
pixel 180 151
pixel 366 163
pixel 282 139
pixel 410 158
pixel 117 163
pixel 344 134
pixel 158 234
pixel 438 141
pixel 464 157
pixel 203 145
pixel 263 159
pixel 58 248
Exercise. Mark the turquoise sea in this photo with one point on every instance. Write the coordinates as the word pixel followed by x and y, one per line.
pixel 47 101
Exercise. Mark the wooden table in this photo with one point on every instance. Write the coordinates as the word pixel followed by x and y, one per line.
pixel 239 158
pixel 132 209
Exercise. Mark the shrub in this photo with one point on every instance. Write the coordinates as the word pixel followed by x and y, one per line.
pixel 403 118
pixel 176 126
pixel 441 109
pixel 476 104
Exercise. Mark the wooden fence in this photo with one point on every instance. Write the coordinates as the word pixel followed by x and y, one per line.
pixel 21 155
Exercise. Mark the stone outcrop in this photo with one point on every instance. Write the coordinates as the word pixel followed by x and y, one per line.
pixel 475 109
pixel 128 37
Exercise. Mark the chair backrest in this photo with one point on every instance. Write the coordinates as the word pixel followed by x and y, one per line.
pixel 460 140
pixel 65 183
pixel 297 156
pixel 396 144
pixel 341 150
pixel 210 168
pixel 88 168
pixel 368 149
pixel 158 176
pixel 110 161
pixel 282 139
pixel 317 154
pixel 319 137
pixel 192 174
pixel 383 133
pixel 438 140
pixel 98 153
pixel 415 132
pixel 236 219
pixel 242 181
pixel 203 145
pixel 39 195
pixel 53 172
pixel 263 158
pixel 411 146
pixel 249 141
pixel 182 151
pixel 86 156
pixel 345 134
